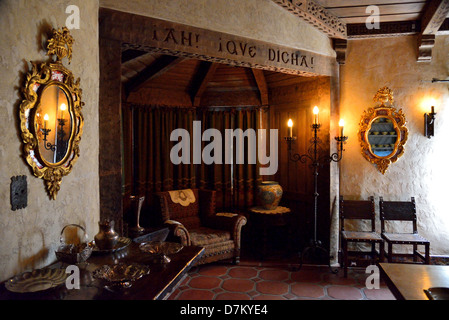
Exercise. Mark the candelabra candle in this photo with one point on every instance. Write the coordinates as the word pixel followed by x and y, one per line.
pixel 315 112
pixel 290 128
pixel 341 124
pixel 63 107
pixel 46 118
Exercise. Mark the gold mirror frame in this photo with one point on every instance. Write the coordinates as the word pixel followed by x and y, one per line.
pixel 42 76
pixel 397 118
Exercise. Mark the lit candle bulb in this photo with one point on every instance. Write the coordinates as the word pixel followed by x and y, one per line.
pixel 290 126
pixel 341 124
pixel 315 112
pixel 46 118
pixel 63 107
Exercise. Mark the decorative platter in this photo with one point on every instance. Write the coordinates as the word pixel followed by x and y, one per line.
pixel 160 247
pixel 437 293
pixel 36 280
pixel 121 274
pixel 122 243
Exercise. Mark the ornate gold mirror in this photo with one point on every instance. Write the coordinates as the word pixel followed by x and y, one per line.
pixel 383 133
pixel 51 121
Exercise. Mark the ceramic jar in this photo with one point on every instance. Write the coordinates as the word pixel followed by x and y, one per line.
pixel 269 194
pixel 107 237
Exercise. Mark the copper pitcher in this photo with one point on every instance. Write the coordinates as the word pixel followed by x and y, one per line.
pixel 107 237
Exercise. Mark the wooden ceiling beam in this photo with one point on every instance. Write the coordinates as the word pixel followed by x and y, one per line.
pixel 316 15
pixel 444 29
pixel 156 69
pixel 204 76
pixel 262 85
pixel 131 54
pixel 433 17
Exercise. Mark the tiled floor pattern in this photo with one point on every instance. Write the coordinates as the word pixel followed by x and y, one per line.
pixel 258 282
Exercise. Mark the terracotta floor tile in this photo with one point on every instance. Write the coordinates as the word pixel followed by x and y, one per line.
pixel 232 296
pixel 306 276
pixel 238 285
pixel 272 287
pixel 379 294
pixel 269 297
pixel 339 279
pixel 194 294
pixel 213 270
pixel 242 272
pixel 217 290
pixel 309 290
pixel 246 281
pixel 204 282
pixel 289 296
pixel 274 274
pixel 344 293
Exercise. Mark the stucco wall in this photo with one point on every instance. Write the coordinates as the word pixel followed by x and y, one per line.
pixel 29 237
pixel 422 171
pixel 255 19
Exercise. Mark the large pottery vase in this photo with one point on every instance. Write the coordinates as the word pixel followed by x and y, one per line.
pixel 107 237
pixel 269 194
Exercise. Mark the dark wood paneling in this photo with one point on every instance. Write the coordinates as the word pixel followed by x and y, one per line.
pixel 110 156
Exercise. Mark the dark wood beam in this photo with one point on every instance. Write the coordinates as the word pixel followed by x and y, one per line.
pixel 316 15
pixel 386 29
pixel 434 16
pixel 262 85
pixel 156 69
pixel 131 54
pixel 444 29
pixel 425 46
pixel 205 75
pixel 340 46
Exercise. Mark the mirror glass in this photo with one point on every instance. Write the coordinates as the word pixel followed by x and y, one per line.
pixel 382 137
pixel 53 124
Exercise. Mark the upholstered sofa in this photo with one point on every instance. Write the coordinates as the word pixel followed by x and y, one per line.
pixel 192 219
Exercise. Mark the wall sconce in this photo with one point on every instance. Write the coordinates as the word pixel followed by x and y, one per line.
pixel 429 121
pixel 313 155
pixel 46 132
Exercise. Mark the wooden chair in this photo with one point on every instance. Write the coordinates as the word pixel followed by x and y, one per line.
pixel 402 211
pixel 358 210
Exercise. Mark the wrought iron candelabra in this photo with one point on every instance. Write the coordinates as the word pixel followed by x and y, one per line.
pixel 315 246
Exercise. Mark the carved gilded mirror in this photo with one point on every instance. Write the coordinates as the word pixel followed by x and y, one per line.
pixel 383 132
pixel 51 121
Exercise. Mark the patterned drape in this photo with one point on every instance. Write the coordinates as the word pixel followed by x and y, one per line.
pixel 153 170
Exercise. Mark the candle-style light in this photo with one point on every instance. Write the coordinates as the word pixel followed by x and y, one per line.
pixel 290 128
pixel 46 118
pixel 46 131
pixel 315 112
pixel 63 107
pixel 341 124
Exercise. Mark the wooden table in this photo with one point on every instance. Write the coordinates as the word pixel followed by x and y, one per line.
pixel 408 281
pixel 155 286
pixel 268 227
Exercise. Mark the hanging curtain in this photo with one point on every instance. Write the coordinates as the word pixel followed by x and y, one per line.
pixel 235 183
pixel 246 176
pixel 153 170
